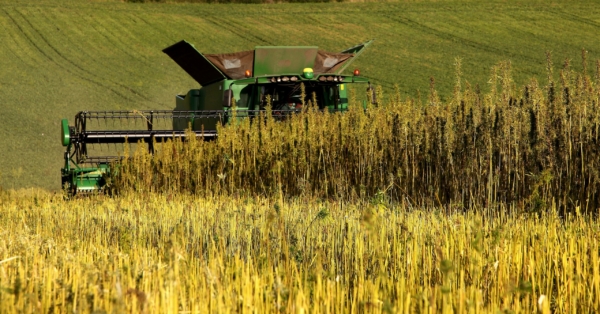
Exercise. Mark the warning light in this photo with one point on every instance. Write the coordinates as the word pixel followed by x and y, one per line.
pixel 356 72
pixel 308 73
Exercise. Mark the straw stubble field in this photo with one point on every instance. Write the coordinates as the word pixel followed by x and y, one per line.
pixel 182 235
pixel 186 254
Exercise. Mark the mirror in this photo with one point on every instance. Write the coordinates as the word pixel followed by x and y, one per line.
pixel 227 95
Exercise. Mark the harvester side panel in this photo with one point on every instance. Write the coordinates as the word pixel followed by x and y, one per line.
pixel 209 99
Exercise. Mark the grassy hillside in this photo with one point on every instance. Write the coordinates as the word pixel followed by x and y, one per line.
pixel 57 59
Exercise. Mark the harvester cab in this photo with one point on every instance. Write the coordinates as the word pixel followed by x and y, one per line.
pixel 247 82
pixel 283 77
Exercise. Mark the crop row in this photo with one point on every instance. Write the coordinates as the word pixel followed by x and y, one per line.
pixel 531 146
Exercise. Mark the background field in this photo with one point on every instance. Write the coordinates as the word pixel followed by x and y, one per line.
pixel 57 59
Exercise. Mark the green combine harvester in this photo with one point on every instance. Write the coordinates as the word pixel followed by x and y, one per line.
pixel 243 81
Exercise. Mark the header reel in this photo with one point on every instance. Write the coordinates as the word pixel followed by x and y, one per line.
pixel 83 172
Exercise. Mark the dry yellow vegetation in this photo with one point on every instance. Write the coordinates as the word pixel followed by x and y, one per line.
pixel 534 146
pixel 151 253
pixel 485 203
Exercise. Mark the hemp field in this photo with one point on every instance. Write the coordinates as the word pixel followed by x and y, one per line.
pixel 480 197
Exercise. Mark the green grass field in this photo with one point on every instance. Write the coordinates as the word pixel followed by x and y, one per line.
pixel 58 58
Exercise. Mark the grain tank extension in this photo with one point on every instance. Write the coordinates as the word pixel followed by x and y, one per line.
pixel 245 81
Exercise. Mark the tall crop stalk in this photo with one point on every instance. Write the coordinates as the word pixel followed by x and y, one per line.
pixel 532 146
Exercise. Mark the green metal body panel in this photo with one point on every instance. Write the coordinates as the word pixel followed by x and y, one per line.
pixel 278 60
pixel 344 96
pixel 211 98
pixel 206 98
pixel 85 180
